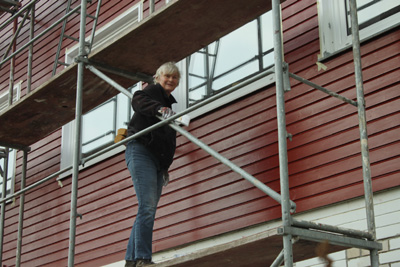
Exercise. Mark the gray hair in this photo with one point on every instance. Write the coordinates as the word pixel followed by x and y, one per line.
pixel 167 68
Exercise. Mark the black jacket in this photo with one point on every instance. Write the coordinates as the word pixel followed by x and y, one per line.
pixel 161 141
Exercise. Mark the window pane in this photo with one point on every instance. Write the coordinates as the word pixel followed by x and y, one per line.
pixel 124 108
pixel 123 111
pixel 197 94
pixel 236 75
pixel 10 171
pixel 197 68
pixel 267 40
pixel 98 126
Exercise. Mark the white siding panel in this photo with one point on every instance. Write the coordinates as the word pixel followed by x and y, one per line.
pixel 394 243
pixel 352 215
pixel 389 257
pixel 388 231
pixel 360 262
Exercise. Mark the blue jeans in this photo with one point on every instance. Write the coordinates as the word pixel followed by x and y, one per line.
pixel 148 182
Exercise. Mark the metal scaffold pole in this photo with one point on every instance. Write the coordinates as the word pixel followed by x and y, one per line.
pixel 282 134
pixel 78 130
pixel 152 6
pixel 368 193
pixel 21 209
pixel 30 53
pixel 3 204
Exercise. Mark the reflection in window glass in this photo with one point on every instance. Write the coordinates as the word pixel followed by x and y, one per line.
pixel 234 58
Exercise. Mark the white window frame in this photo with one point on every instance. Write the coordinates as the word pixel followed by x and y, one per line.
pixel 16 96
pixel 12 157
pixel 333 28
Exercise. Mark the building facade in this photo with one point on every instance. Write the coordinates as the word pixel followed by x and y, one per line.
pixel 205 200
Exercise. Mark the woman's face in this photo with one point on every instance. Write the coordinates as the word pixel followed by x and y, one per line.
pixel 169 82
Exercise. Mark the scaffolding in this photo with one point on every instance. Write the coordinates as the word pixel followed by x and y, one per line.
pixel 291 230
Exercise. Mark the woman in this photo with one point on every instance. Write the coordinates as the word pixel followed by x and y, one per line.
pixel 148 158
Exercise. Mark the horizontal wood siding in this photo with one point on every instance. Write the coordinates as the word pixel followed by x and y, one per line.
pixel 205 198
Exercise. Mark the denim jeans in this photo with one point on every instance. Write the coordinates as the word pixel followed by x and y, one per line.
pixel 148 182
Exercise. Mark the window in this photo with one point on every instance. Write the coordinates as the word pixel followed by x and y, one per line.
pixel 10 169
pixel 10 157
pixel 114 113
pixel 236 57
pixel 4 96
pixel 99 126
pixel 374 17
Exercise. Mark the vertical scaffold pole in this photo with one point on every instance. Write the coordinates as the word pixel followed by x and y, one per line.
pixel 368 193
pixel 21 209
pixel 12 67
pixel 282 134
pixel 3 204
pixel 151 6
pixel 78 130
pixel 30 53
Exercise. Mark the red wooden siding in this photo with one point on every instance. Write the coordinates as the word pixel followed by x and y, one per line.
pixel 204 198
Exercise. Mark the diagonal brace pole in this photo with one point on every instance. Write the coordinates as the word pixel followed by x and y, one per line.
pixel 323 89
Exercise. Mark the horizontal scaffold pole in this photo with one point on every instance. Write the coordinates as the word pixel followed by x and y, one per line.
pixel 334 229
pixel 35 184
pixel 335 239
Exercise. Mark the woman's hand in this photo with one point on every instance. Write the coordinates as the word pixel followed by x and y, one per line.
pixel 166 112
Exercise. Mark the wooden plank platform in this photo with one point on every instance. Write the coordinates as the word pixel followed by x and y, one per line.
pixel 170 34
pixel 258 250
